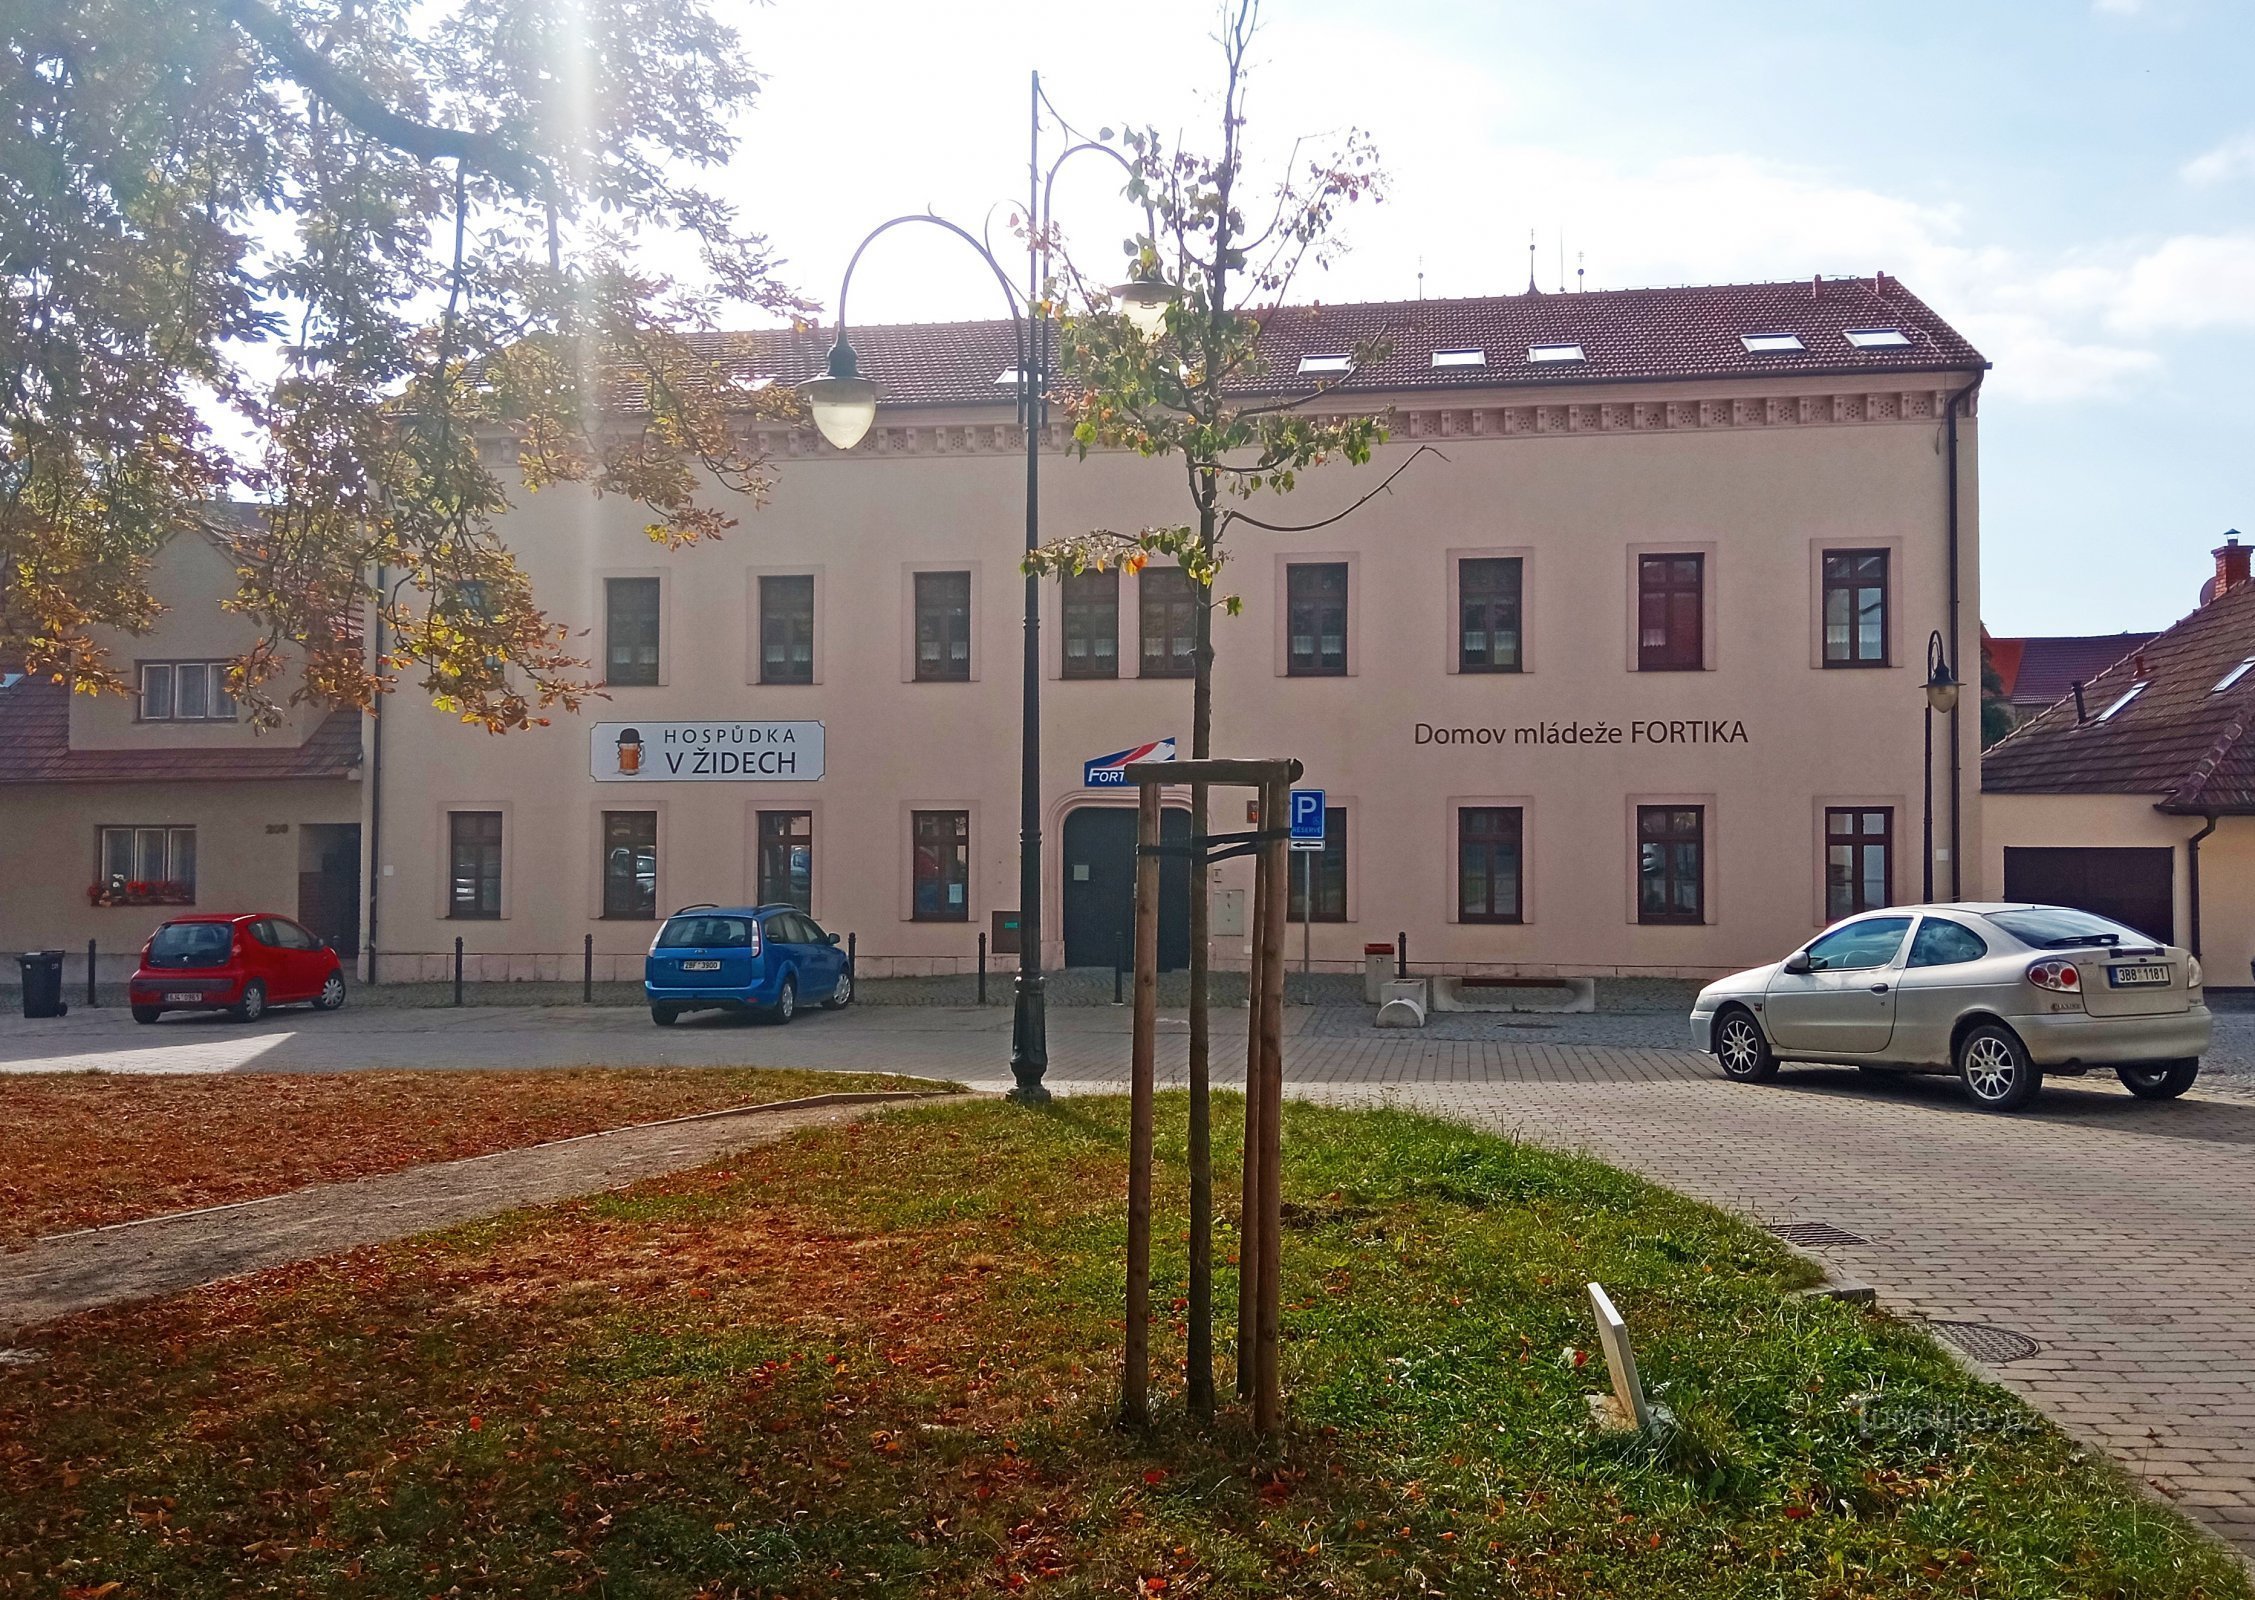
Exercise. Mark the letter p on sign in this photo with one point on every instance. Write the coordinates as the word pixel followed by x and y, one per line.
pixel 1307 817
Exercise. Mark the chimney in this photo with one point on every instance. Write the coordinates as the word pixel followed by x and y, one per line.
pixel 2231 564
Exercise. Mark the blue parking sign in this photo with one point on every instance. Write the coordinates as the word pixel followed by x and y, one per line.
pixel 1307 818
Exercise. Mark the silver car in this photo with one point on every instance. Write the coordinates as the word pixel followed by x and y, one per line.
pixel 1998 994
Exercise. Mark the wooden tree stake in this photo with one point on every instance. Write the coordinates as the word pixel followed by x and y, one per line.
pixel 1135 1403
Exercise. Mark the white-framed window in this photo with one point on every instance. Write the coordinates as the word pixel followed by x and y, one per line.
pixel 185 691
pixel 148 862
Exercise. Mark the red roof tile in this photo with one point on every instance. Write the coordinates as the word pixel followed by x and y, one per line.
pixel 1626 336
pixel 2182 739
pixel 35 748
pixel 2044 668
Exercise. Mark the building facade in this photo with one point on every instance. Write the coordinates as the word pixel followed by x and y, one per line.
pixel 1626 679
pixel 118 811
pixel 2133 795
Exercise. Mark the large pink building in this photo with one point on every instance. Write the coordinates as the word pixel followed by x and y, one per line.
pixel 1628 680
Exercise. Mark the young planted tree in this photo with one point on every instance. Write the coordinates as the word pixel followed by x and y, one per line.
pixel 325 254
pixel 1198 391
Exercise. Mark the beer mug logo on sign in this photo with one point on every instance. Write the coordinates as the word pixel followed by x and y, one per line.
pixel 630 750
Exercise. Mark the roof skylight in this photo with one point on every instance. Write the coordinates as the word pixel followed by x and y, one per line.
pixel 2233 676
pixel 1554 352
pixel 1338 361
pixel 1876 338
pixel 1468 357
pixel 1771 344
pixel 1008 377
pixel 2127 695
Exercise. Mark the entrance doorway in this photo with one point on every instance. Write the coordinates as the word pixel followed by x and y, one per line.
pixel 329 883
pixel 1100 888
pixel 2133 886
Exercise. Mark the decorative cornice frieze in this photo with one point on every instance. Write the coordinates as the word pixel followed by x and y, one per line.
pixel 1739 413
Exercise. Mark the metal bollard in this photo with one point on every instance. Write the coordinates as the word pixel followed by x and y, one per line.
pixel 1401 955
pixel 982 969
pixel 587 970
pixel 90 1000
pixel 1119 945
pixel 852 957
pixel 457 969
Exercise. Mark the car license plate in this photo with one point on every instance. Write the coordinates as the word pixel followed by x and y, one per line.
pixel 190 997
pixel 700 966
pixel 2129 977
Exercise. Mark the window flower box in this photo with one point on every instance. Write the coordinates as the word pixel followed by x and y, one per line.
pixel 139 892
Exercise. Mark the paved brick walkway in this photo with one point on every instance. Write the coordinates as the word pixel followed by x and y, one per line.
pixel 2113 1233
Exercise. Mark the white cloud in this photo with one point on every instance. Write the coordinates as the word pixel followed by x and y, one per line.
pixel 2234 158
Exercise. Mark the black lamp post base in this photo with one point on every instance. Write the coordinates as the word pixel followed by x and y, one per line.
pixel 1029 1040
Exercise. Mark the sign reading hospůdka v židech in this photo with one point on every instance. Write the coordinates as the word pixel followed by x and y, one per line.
pixel 704 752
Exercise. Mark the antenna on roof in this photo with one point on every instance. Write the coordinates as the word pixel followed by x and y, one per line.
pixel 1579 270
pixel 1420 277
pixel 1562 260
pixel 1531 289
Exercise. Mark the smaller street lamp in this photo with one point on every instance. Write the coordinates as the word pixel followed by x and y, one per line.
pixel 1941 695
pixel 1143 303
pixel 844 403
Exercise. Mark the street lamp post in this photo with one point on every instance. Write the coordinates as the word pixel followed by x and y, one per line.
pixel 844 406
pixel 1941 695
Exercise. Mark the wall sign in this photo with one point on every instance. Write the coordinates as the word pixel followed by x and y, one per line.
pixel 1637 731
pixel 704 752
pixel 1110 772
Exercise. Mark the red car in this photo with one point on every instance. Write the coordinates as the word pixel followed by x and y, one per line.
pixel 239 964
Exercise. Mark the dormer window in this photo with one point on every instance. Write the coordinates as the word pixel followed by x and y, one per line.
pixel 1554 352
pixel 1876 338
pixel 185 691
pixel 1771 344
pixel 1337 361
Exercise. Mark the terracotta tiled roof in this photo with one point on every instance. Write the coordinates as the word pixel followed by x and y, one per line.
pixel 1625 335
pixel 2181 739
pixel 35 748
pixel 2044 668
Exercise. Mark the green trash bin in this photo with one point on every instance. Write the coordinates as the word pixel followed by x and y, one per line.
pixel 42 983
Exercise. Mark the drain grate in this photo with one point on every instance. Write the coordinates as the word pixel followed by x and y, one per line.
pixel 1815 1233
pixel 1994 1346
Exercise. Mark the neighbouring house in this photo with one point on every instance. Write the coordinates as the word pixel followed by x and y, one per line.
pixel 118 811
pixel 2134 794
pixel 1630 680
pixel 2038 671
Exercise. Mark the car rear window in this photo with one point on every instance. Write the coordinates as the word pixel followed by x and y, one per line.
pixel 191 944
pixel 706 933
pixel 2063 928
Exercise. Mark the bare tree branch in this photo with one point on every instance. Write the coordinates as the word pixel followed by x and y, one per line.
pixel 1310 527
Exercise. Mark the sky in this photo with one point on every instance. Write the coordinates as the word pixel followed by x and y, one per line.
pixel 2069 182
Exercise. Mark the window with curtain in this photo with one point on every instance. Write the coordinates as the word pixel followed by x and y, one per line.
pixel 185 691
pixel 1322 872
pixel 1859 860
pixel 786 628
pixel 1169 622
pixel 1487 603
pixel 1316 619
pixel 941 866
pixel 474 849
pixel 943 627
pixel 1092 624
pixel 630 630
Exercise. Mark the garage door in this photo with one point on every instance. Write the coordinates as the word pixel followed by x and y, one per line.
pixel 2136 887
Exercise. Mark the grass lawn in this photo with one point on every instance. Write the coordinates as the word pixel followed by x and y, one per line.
pixel 85 1148
pixel 879 1359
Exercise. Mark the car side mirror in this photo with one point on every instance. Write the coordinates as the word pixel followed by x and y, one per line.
pixel 829 938
pixel 1799 964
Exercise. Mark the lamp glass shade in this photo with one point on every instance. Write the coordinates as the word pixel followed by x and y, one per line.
pixel 1144 303
pixel 1941 693
pixel 844 408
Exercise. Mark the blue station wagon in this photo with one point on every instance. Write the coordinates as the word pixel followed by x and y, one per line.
pixel 771 959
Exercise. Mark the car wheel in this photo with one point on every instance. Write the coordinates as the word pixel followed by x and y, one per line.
pixel 1993 1065
pixel 841 996
pixel 2159 1080
pixel 665 1016
pixel 253 1004
pixel 332 993
pixel 786 1001
pixel 1742 1048
pixel 147 1013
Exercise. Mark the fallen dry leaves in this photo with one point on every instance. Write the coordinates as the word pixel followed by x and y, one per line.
pixel 87 1149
